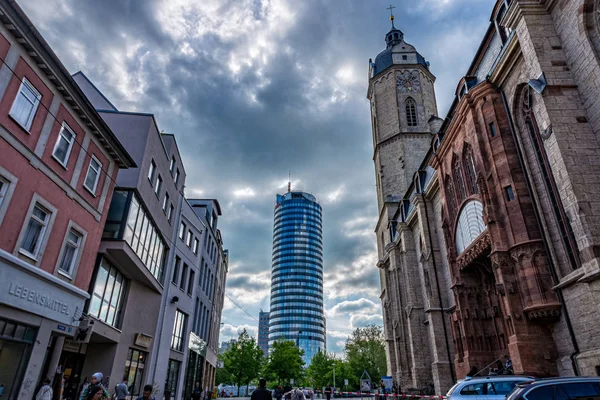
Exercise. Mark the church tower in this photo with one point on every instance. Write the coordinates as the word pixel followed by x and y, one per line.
pixel 403 116
pixel 402 96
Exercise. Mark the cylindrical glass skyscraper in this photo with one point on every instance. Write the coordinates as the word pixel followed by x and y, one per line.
pixel 297 274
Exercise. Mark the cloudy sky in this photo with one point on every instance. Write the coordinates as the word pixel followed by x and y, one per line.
pixel 255 88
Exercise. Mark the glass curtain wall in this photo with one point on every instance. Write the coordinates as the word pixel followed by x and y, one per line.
pixel 297 274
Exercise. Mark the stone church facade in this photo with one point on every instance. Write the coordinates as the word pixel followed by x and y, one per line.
pixel 489 226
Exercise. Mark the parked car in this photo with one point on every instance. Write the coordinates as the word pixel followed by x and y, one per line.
pixel 494 387
pixel 564 388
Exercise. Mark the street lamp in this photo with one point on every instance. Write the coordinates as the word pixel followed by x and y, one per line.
pixel 333 365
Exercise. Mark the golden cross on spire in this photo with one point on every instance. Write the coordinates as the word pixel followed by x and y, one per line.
pixel 391 8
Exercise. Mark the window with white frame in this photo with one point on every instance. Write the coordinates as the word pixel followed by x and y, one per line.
pixel 26 104
pixel 196 243
pixel 177 340
pixel 158 185
pixel 151 172
pixel 182 228
pixel 172 165
pixel 93 175
pixel 64 145
pixel 36 231
pixel 107 297
pixel 176 179
pixel 3 189
pixel 188 240
pixel 170 212
pixel 70 252
pixel 165 203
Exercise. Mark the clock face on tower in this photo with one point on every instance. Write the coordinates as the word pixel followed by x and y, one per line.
pixel 408 82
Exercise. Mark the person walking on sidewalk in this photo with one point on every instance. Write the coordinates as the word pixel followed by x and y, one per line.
pixel 121 390
pixel 261 392
pixel 45 392
pixel 94 384
pixel 147 394
pixel 328 392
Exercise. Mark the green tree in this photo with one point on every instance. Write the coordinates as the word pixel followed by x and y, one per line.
pixel 365 350
pixel 319 369
pixel 242 362
pixel 284 362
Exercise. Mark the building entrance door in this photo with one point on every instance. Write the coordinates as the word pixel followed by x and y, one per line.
pixel 16 342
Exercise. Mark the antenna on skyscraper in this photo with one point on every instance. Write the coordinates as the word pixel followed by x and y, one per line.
pixel 289 181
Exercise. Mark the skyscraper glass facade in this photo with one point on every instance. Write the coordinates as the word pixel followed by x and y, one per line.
pixel 297 274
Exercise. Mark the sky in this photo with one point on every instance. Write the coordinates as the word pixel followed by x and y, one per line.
pixel 253 89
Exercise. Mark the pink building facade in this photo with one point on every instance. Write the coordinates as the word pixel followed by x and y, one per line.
pixel 58 165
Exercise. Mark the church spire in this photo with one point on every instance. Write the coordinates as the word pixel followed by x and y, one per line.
pixel 391 8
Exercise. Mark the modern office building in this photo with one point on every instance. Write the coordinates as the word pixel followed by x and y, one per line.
pixel 297 274
pixel 263 331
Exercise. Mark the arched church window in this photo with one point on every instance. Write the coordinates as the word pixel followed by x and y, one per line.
pixel 469 165
pixel 566 230
pixel 450 199
pixel 459 182
pixel 470 225
pixel 411 112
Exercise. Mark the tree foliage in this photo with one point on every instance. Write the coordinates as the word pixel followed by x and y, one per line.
pixel 242 362
pixel 284 362
pixel 365 350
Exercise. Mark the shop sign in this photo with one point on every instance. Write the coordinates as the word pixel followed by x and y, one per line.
pixel 34 294
pixel 196 344
pixel 142 340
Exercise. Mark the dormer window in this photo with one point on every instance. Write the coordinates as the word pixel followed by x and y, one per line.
pixel 502 30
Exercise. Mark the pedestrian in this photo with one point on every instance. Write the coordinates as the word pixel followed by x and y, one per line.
pixel 196 391
pixel 297 394
pixel 382 386
pixel 86 383
pixel 95 382
pixel 508 366
pixel 472 372
pixel 121 390
pixel 96 392
pixel 147 394
pixel 287 390
pixel 328 392
pixel 261 392
pixel 45 392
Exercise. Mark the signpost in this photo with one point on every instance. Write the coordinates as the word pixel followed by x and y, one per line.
pixel 365 383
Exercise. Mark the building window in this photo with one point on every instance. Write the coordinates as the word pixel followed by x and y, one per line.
pixel 151 172
pixel 196 243
pixel 182 228
pixel 177 340
pixel 134 371
pixel 191 281
pixel 469 164
pixel 510 195
pixel 107 296
pixel 93 175
pixel 411 112
pixel 176 269
pixel 26 104
pixel 145 239
pixel 158 186
pixel 459 181
pixel 176 179
pixel 4 185
pixel 172 165
pixel 170 213
pixel 70 252
pixel 64 145
pixel 492 129
pixel 165 203
pixel 188 240
pixel 404 57
pixel 450 197
pixel 36 231
pixel 183 280
pixel 172 377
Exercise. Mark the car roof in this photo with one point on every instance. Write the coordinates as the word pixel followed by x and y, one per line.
pixel 498 378
pixel 562 379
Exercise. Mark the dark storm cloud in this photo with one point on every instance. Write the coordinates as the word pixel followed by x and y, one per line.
pixel 255 88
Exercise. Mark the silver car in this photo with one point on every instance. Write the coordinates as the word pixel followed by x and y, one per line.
pixel 494 387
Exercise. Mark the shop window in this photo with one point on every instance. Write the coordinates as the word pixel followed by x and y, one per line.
pixel 134 371
pixel 36 231
pixel 107 296
pixel 93 175
pixel 16 342
pixel 26 104
pixel 172 377
pixel 64 145
pixel 70 253
pixel 177 340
